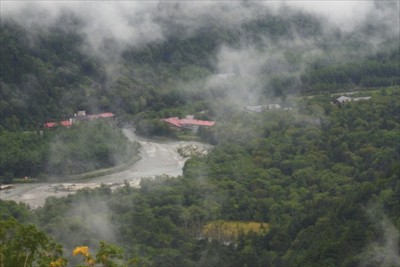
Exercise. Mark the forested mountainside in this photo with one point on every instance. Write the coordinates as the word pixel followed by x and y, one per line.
pixel 324 185
pixel 46 76
pixel 311 183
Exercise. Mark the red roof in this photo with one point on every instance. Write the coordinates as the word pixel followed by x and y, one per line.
pixel 50 124
pixel 66 123
pixel 101 115
pixel 106 115
pixel 182 122
pixel 54 124
pixel 197 122
pixel 174 121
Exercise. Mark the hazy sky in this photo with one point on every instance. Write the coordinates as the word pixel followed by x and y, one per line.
pixel 122 14
pixel 110 27
pixel 138 22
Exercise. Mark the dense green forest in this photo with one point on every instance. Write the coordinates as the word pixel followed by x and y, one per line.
pixel 47 77
pixel 320 179
pixel 326 184
pixel 61 152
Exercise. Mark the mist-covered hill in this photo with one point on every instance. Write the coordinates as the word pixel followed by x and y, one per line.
pixel 321 179
pixel 129 57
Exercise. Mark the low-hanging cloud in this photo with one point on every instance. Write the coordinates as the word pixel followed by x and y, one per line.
pixel 344 14
pixel 109 28
pixel 384 251
pixel 122 24
pixel 254 68
pixel 342 24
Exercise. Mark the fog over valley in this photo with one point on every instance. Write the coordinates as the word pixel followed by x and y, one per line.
pixel 199 133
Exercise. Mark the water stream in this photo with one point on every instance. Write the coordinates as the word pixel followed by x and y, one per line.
pixel 157 158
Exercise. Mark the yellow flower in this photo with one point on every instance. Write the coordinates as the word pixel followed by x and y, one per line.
pixel 84 250
pixel 58 263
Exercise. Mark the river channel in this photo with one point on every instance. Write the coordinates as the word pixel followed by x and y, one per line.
pixel 157 158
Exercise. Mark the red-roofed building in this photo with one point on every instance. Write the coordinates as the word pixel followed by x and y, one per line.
pixel 188 123
pixel 106 115
pixel 174 121
pixel 81 116
pixel 66 123
pixel 50 124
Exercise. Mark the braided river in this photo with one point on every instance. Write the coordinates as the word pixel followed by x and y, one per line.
pixel 158 158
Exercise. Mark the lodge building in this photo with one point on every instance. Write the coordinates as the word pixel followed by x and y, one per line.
pixel 188 123
pixel 79 117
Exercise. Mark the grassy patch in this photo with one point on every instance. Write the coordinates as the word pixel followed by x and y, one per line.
pixel 229 231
